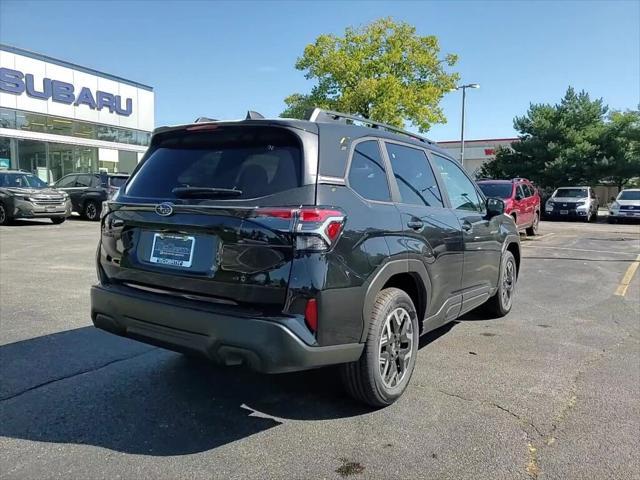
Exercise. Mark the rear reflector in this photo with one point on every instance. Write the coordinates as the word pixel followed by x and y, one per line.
pixel 311 315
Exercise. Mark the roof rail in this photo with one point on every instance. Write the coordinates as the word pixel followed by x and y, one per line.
pixel 204 120
pixel 321 115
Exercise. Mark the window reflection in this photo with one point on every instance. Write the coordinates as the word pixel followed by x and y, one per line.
pixel 34 122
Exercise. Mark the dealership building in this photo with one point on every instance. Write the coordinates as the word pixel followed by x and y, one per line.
pixel 57 117
pixel 476 152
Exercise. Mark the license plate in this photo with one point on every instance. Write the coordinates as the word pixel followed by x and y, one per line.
pixel 51 209
pixel 630 214
pixel 172 250
pixel 564 212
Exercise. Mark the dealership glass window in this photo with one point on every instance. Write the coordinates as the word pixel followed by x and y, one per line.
pixel 84 130
pixel 106 133
pixel 65 159
pixel 32 157
pixel 59 126
pixel 10 118
pixel 31 121
pixel 61 161
pixel 7 118
pixel 5 153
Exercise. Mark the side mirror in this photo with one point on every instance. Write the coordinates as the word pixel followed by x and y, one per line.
pixel 495 207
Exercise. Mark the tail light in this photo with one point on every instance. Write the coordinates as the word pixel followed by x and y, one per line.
pixel 317 229
pixel 311 315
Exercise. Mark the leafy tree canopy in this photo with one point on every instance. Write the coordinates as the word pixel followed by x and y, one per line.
pixel 383 71
pixel 573 142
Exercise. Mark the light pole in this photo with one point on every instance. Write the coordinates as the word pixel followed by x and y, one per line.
pixel 464 96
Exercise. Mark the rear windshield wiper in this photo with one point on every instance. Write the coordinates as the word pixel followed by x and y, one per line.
pixel 183 192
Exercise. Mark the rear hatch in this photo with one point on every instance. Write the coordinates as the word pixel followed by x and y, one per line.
pixel 197 217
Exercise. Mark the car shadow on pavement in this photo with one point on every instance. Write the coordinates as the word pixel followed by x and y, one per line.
pixel 84 386
pixel 40 222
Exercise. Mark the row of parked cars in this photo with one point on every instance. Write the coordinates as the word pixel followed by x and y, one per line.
pixel 25 195
pixel 523 203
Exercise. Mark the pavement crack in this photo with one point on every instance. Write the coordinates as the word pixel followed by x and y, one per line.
pixel 519 418
pixel 455 395
pixel 75 374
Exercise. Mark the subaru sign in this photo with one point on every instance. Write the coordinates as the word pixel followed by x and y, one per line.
pixel 16 82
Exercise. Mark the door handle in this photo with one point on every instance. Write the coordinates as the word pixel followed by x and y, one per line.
pixel 415 224
pixel 466 226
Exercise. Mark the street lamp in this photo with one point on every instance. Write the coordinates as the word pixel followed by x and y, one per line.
pixel 464 95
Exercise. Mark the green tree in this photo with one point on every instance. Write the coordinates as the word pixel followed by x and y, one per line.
pixel 621 148
pixel 383 71
pixel 558 144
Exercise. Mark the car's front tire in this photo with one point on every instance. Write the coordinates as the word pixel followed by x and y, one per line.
pixel 91 210
pixel 500 304
pixel 58 220
pixel 383 371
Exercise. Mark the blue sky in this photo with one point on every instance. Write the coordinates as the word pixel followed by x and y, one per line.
pixel 219 59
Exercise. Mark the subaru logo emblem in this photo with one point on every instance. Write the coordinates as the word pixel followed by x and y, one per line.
pixel 164 209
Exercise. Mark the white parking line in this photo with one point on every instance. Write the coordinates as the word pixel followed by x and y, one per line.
pixel 528 245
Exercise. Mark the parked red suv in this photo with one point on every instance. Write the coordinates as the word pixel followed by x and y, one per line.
pixel 521 201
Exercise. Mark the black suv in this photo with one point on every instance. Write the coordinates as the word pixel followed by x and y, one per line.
pixel 88 190
pixel 286 245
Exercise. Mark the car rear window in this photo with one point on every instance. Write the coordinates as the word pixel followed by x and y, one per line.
pixel 258 161
pixel 496 190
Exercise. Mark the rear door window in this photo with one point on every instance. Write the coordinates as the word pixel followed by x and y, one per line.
pixel 83 181
pixel 462 192
pixel 416 181
pixel 117 181
pixel 257 161
pixel 67 182
pixel 367 174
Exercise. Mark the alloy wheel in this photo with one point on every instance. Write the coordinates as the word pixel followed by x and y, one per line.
pixel 396 347
pixel 508 283
pixel 91 211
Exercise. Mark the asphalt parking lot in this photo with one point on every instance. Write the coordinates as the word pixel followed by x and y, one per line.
pixel 550 391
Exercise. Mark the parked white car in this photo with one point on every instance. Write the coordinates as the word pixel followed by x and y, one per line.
pixel 626 206
pixel 573 203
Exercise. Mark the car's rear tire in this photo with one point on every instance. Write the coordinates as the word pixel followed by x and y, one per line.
pixel 91 210
pixel 532 231
pixel 58 220
pixel 501 302
pixel 383 371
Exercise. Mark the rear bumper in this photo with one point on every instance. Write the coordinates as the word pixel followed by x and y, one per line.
pixel 264 345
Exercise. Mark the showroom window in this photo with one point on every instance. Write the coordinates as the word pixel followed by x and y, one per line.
pixel 35 122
